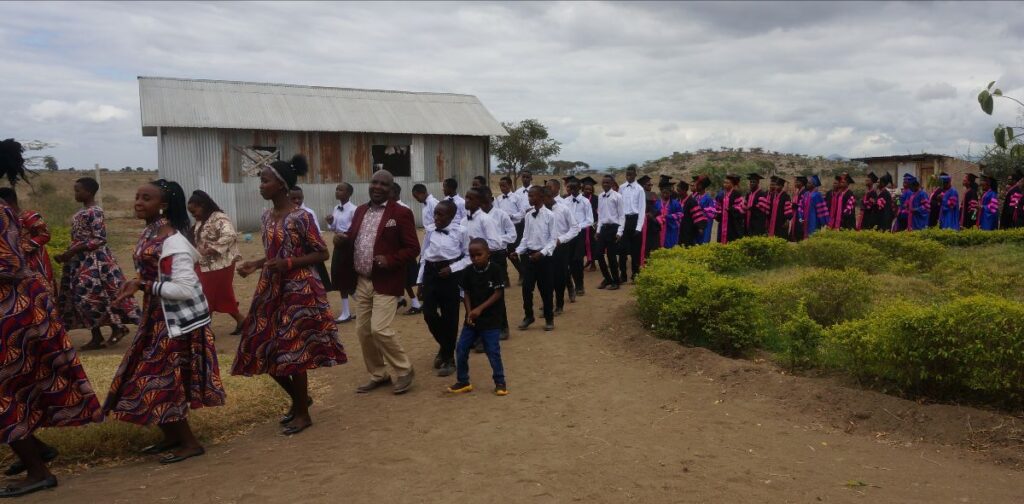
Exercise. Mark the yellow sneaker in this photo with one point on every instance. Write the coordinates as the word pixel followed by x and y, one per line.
pixel 460 388
pixel 500 390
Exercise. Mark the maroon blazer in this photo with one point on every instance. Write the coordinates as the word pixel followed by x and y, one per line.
pixel 398 244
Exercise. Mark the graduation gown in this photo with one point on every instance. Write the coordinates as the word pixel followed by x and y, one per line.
pixel 780 211
pixel 885 210
pixel 669 216
pixel 969 209
pixel 757 213
pixel 841 209
pixel 934 207
pixel 1010 217
pixel 796 228
pixel 815 213
pixel 868 210
pixel 949 214
pixel 731 215
pixel 915 210
pixel 695 221
pixel 710 207
pixel 988 219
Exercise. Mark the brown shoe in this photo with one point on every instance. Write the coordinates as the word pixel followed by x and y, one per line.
pixel 371 385
pixel 404 383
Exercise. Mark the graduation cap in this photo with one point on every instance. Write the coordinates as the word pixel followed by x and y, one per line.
pixel 588 180
pixel 872 177
pixel 778 180
pixel 570 178
pixel 644 179
pixel 735 179
pixel 754 177
pixel 848 178
pixel 945 177
pixel 664 181
pixel 971 177
pixel 700 180
pixel 885 179
pixel 801 178
pixel 908 176
pixel 814 181
pixel 683 185
pixel 910 179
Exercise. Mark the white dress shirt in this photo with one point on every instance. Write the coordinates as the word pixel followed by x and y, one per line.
pixel 427 213
pixel 566 227
pixel 311 212
pixel 460 207
pixel 610 211
pixel 539 232
pixel 524 198
pixel 342 217
pixel 512 205
pixel 505 226
pixel 447 244
pixel 581 210
pixel 480 224
pixel 634 198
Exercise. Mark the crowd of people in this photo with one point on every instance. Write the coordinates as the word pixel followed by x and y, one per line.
pixel 550 234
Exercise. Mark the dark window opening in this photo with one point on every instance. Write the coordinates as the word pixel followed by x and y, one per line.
pixel 393 158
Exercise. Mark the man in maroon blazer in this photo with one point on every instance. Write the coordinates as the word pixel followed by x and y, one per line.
pixel 376 252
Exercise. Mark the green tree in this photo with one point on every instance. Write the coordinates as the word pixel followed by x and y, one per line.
pixel 50 163
pixel 527 146
pixel 559 167
pixel 37 161
pixel 1005 136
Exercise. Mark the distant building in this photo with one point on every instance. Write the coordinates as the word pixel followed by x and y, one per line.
pixel 211 135
pixel 925 167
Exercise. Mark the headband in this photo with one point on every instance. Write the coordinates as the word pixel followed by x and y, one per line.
pixel 278 175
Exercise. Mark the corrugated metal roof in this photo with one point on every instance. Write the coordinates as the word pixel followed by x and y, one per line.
pixel 195 103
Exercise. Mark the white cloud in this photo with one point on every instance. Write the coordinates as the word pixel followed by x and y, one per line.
pixel 936 91
pixel 52 110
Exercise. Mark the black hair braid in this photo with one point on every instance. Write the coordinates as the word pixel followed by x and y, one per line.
pixel 177 210
pixel 12 162
pixel 290 171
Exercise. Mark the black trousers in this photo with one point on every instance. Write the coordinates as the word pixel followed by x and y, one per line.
pixel 629 246
pixel 560 272
pixel 519 237
pixel 500 259
pixel 441 308
pixel 577 253
pixel 537 274
pixel 606 246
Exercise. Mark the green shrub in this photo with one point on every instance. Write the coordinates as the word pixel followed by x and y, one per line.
pixel 764 252
pixel 903 252
pixel 801 337
pixel 738 256
pixel 972 237
pixel 840 254
pixel 828 296
pixel 60 240
pixel 968 347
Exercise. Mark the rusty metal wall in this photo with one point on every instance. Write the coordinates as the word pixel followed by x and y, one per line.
pixel 202 158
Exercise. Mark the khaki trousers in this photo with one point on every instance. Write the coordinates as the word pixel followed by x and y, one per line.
pixel 381 348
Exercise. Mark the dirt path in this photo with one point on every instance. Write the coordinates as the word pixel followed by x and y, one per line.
pixel 598 412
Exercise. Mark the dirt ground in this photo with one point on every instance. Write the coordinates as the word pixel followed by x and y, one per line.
pixel 598 411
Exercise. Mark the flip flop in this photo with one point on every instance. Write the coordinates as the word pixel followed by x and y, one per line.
pixel 160 447
pixel 295 429
pixel 171 458
pixel 18 467
pixel 16 491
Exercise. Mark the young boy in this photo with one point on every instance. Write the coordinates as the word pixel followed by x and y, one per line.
pixel 566 230
pixel 539 240
pixel 339 221
pixel 510 203
pixel 438 286
pixel 450 187
pixel 484 286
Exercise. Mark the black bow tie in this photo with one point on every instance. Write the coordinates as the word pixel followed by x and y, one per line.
pixel 574 200
pixel 469 216
pixel 504 196
pixel 535 212
pixel 605 195
pixel 443 231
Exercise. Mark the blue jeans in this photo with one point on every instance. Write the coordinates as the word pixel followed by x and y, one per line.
pixel 492 347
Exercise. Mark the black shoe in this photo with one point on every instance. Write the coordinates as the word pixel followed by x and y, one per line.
pixel 402 302
pixel 371 385
pixel 526 323
pixel 549 325
pixel 18 467
pixel 438 361
pixel 581 292
pixel 160 447
pixel 288 417
pixel 504 334
pixel 174 459
pixel 18 491
pixel 572 296
pixel 560 310
pixel 414 311
pixel 613 287
pixel 604 284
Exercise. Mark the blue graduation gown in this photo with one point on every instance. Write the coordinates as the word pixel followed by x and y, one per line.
pixel 707 202
pixel 669 217
pixel 815 212
pixel 949 215
pixel 988 220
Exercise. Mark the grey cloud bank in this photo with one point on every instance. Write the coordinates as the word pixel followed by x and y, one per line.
pixel 615 82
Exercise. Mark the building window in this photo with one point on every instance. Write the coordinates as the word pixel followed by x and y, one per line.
pixel 393 158
pixel 255 157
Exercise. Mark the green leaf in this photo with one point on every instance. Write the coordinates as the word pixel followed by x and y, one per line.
pixel 997 92
pixel 1017 151
pixel 985 100
pixel 1009 134
pixel 1000 135
pixel 990 84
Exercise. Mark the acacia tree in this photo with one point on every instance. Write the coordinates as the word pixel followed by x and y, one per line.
pixel 559 167
pixel 527 146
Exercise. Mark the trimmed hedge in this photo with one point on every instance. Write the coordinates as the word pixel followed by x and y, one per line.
pixel 754 253
pixel 840 254
pixel 972 237
pixel 827 296
pixel 968 347
pixel 912 249
pixel 801 337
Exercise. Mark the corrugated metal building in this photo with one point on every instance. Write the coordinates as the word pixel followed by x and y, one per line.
pixel 211 135
pixel 926 167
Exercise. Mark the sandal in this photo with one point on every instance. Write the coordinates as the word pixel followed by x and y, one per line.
pixel 116 335
pixel 18 491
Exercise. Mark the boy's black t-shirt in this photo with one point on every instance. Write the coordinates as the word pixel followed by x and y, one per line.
pixel 479 285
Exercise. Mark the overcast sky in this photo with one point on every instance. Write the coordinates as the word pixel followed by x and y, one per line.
pixel 616 83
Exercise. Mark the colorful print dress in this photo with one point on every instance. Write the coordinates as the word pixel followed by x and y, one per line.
pixel 42 383
pixel 290 328
pixel 161 377
pixel 92 279
pixel 34 237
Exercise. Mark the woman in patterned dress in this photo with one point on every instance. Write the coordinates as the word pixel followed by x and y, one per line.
pixel 290 328
pixel 171 365
pixel 217 242
pixel 91 277
pixel 34 237
pixel 42 383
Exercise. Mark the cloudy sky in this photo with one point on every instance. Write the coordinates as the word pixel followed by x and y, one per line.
pixel 616 83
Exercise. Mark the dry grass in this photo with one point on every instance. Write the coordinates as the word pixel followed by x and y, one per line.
pixel 250 401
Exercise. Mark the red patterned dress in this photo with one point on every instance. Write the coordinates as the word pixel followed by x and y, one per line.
pixel 290 328
pixel 161 377
pixel 92 279
pixel 42 383
pixel 34 237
